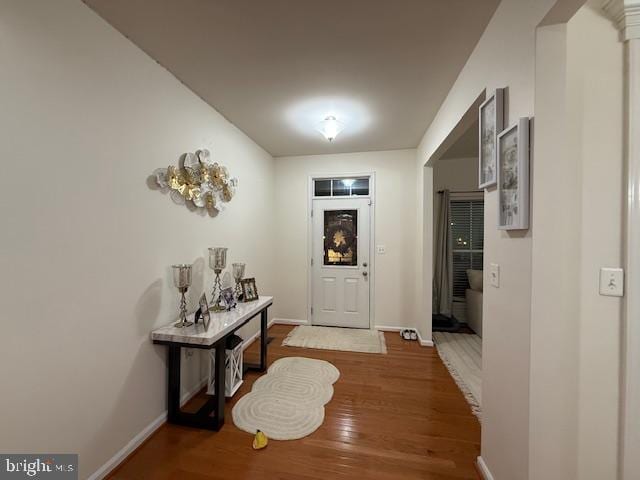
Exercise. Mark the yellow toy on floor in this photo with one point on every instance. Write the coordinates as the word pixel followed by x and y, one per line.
pixel 260 440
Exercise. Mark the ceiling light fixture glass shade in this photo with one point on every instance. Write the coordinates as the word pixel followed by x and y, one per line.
pixel 348 182
pixel 330 127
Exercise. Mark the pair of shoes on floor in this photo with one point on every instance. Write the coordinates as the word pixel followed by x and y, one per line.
pixel 409 334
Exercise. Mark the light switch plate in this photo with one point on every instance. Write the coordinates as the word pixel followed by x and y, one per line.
pixel 494 275
pixel 611 282
pixel 381 249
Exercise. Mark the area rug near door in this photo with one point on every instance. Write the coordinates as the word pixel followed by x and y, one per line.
pixel 462 355
pixel 288 402
pixel 336 338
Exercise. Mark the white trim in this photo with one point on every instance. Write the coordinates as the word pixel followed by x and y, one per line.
pixel 630 418
pixel 290 321
pixel 372 235
pixel 139 439
pixel 484 470
pixel 626 15
pixel 424 343
pixel 389 328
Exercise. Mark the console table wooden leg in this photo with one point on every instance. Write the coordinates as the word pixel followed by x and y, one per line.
pixel 220 382
pixel 173 397
pixel 263 340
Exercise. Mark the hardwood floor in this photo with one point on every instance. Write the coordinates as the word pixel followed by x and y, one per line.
pixel 394 416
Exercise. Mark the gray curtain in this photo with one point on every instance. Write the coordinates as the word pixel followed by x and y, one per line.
pixel 442 286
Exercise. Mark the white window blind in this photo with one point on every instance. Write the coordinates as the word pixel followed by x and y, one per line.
pixel 467 241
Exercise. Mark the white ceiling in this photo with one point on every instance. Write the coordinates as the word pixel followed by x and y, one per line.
pixel 275 68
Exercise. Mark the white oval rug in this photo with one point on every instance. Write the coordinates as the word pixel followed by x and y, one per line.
pixel 310 367
pixel 299 388
pixel 288 402
pixel 278 417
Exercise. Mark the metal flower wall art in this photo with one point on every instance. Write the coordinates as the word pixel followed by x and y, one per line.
pixel 198 183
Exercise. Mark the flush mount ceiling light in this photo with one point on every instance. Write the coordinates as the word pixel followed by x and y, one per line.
pixel 304 116
pixel 330 127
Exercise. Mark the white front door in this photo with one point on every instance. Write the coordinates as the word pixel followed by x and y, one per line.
pixel 340 262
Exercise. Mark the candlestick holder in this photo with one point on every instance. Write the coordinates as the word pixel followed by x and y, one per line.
pixel 182 281
pixel 217 262
pixel 238 274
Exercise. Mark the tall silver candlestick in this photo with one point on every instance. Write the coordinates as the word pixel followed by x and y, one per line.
pixel 182 281
pixel 238 274
pixel 217 262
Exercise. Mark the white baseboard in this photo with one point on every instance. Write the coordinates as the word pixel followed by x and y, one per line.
pixel 290 321
pixel 421 341
pixel 384 328
pixel 146 432
pixel 484 470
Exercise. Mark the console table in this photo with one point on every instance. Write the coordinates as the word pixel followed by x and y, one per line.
pixel 223 324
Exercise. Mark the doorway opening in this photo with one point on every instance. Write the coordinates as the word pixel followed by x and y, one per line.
pixel 458 255
pixel 341 272
pixel 458 241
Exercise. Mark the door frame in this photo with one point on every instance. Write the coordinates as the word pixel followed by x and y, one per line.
pixel 372 252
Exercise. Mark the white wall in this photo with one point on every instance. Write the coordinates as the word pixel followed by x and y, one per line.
pixel 551 342
pixel 555 286
pixel 86 246
pixel 575 350
pixel 395 213
pixel 504 57
pixel 455 175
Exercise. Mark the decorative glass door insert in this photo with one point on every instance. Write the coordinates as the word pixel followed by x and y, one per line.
pixel 341 237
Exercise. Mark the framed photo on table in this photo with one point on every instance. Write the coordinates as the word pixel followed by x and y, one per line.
pixel 249 289
pixel 204 311
pixel 491 121
pixel 513 177
pixel 228 298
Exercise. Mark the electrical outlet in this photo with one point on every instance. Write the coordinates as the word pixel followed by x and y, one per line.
pixel 381 249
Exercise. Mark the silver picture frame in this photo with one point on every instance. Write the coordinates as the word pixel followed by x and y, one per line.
pixel 204 311
pixel 513 176
pixel 490 122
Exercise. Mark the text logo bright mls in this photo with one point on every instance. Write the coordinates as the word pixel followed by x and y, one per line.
pixel 32 466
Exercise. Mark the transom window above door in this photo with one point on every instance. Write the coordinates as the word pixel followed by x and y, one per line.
pixel 341 187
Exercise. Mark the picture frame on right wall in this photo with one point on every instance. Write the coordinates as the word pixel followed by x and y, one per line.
pixel 491 120
pixel 513 176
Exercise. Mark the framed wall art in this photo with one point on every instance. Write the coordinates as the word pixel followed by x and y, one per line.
pixel 490 124
pixel 513 177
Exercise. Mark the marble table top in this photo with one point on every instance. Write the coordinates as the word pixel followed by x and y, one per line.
pixel 222 323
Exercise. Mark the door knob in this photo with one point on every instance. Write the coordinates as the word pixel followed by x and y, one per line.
pixel 365 264
pixel 364 274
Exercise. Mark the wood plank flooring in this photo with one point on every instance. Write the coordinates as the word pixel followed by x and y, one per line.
pixel 394 416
